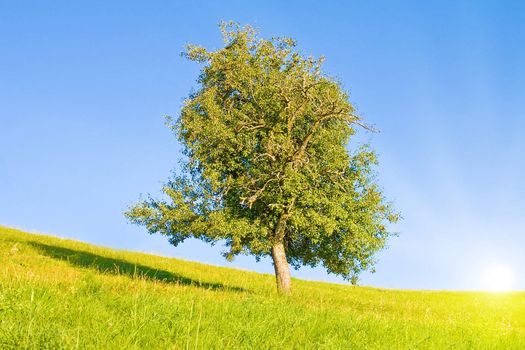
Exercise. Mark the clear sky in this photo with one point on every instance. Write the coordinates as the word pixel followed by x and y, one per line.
pixel 84 87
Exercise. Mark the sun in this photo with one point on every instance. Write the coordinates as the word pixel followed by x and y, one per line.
pixel 499 278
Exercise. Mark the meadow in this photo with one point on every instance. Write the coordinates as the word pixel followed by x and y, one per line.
pixel 64 294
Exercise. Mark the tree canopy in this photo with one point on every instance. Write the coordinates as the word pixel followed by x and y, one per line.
pixel 266 166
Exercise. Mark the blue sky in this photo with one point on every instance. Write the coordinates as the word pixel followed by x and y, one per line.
pixel 84 87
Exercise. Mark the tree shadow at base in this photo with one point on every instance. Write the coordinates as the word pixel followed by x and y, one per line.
pixel 114 266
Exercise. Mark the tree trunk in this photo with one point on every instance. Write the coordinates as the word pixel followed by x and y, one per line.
pixel 282 270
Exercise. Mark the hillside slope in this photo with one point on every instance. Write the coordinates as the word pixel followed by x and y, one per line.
pixel 57 293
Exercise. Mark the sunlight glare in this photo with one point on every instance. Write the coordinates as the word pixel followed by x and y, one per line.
pixel 499 278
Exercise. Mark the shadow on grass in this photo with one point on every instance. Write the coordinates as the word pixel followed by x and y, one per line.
pixel 113 266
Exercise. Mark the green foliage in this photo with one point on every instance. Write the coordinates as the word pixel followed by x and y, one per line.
pixel 265 137
pixel 62 294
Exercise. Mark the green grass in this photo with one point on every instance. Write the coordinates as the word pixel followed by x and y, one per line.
pixel 57 293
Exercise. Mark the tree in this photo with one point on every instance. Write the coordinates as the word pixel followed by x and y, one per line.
pixel 266 168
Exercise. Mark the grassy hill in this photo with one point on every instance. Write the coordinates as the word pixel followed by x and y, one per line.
pixel 57 293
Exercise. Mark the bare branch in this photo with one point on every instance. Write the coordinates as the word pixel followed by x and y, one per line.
pixel 364 126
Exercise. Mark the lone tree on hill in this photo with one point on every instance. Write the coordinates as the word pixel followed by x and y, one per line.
pixel 266 167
